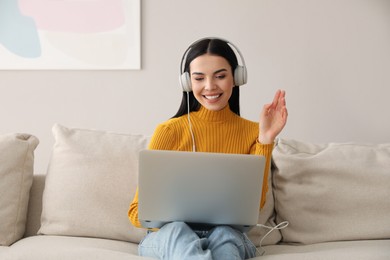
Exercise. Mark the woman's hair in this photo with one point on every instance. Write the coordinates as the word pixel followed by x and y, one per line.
pixel 214 47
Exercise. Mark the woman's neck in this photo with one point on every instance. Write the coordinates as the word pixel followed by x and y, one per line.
pixel 214 116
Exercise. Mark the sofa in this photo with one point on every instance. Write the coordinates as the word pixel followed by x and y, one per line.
pixel 335 197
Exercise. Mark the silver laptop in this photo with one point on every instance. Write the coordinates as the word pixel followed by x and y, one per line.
pixel 201 189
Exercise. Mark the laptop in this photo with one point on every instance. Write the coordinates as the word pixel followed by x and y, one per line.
pixel 201 189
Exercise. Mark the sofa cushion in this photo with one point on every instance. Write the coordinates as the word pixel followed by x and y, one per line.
pixel 90 183
pixel 16 174
pixel 336 250
pixel 65 248
pixel 330 192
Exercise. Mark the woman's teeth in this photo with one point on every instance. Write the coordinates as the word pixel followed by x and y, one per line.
pixel 212 97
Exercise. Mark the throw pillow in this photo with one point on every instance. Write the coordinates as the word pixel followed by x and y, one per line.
pixel 16 175
pixel 90 183
pixel 267 218
pixel 331 192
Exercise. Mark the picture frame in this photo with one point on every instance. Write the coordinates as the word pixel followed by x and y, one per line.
pixel 70 35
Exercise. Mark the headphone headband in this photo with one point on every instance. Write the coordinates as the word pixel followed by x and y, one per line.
pixel 240 73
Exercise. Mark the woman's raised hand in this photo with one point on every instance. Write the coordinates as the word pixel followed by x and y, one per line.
pixel 273 118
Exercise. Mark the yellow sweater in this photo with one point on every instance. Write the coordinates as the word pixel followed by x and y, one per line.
pixel 214 131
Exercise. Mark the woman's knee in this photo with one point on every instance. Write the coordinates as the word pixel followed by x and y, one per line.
pixel 175 227
pixel 177 231
pixel 229 243
pixel 226 231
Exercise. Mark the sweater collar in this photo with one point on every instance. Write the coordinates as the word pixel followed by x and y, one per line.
pixel 214 116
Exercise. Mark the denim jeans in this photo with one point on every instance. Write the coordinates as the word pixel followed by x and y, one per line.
pixel 178 241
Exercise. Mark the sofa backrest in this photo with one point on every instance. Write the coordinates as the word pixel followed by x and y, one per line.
pixel 35 205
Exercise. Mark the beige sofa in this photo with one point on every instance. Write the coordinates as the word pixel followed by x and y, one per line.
pixel 334 196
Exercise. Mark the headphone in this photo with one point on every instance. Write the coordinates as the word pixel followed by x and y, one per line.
pixel 240 72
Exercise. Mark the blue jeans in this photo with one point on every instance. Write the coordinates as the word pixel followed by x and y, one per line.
pixel 178 241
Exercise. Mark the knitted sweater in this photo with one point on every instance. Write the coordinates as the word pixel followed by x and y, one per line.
pixel 214 131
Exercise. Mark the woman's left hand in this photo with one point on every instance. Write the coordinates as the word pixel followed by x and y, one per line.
pixel 273 118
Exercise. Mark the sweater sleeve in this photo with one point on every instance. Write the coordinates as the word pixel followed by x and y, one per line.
pixel 162 139
pixel 266 151
pixel 133 211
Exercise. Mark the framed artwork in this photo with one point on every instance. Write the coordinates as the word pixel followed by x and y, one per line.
pixel 70 34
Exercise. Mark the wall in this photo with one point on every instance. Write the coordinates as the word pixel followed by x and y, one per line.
pixel 331 56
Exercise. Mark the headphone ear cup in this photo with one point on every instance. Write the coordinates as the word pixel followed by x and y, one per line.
pixel 240 75
pixel 185 82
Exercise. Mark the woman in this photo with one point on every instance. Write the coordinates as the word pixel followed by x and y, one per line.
pixel 210 80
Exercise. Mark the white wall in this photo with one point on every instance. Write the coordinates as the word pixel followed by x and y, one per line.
pixel 331 56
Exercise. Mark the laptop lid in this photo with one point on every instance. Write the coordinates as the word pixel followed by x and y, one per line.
pixel 199 188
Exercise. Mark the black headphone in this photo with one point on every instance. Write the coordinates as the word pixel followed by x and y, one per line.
pixel 240 73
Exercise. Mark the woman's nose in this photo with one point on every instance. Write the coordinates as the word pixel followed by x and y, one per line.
pixel 210 84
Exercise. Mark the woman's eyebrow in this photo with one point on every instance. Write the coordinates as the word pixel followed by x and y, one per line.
pixel 215 72
pixel 197 73
pixel 221 70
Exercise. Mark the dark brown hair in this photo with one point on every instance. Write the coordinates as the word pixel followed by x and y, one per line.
pixel 217 47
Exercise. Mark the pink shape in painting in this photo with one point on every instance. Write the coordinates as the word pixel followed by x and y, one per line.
pixel 89 16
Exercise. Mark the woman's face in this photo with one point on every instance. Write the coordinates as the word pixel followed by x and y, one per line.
pixel 212 81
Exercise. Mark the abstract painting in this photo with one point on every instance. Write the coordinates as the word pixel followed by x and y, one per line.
pixel 70 34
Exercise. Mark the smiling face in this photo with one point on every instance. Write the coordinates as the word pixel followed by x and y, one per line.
pixel 212 81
